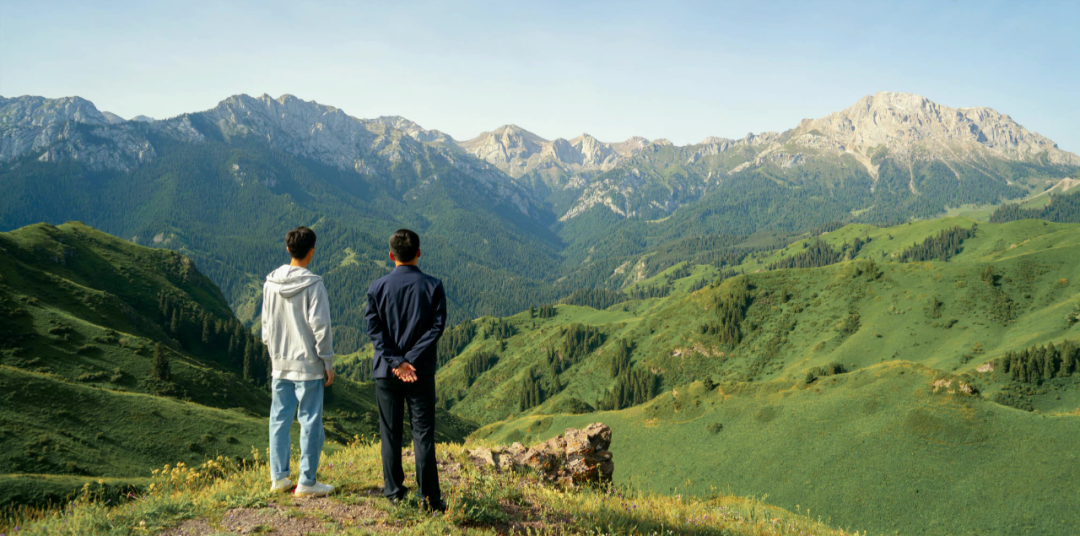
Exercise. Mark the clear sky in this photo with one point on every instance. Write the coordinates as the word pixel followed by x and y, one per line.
pixel 659 69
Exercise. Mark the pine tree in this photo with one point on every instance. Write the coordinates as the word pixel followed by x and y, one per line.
pixel 160 366
pixel 236 350
pixel 620 361
pixel 268 367
pixel 1050 361
pixel 207 329
pixel 249 361
pixel 531 394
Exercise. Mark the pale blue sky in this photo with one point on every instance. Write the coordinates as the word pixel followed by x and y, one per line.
pixel 676 70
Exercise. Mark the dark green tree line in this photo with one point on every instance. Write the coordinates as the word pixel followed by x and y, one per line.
pixel 1038 364
pixel 454 340
pixel 477 364
pixel 1062 208
pixel 632 387
pixel 941 246
pixel 598 299
pixel 731 307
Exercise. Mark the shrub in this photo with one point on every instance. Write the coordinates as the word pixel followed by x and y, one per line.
pixel 831 369
pixel 715 428
pixel 92 376
pixel 60 330
pixel 160 370
pixel 851 324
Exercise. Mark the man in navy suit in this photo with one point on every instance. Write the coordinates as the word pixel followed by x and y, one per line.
pixel 406 314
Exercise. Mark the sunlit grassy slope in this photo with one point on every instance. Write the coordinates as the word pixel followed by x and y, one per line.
pixel 223 498
pixel 871 447
pixel 796 317
pixel 79 321
pixel 875 449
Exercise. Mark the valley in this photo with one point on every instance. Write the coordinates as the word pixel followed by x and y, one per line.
pixel 871 317
pixel 837 387
pixel 511 220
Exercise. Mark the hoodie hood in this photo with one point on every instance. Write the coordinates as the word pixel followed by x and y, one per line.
pixel 292 280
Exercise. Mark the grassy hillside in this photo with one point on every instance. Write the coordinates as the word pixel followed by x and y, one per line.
pixel 876 449
pixel 501 244
pixel 857 313
pixel 764 337
pixel 81 318
pixel 227 205
pixel 221 497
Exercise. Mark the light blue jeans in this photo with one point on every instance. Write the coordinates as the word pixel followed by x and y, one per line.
pixel 289 397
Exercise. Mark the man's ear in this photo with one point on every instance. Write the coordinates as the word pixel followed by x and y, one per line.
pixel 417 253
pixel 310 254
pixel 392 256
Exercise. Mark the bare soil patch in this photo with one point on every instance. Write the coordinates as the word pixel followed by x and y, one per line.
pixel 287 517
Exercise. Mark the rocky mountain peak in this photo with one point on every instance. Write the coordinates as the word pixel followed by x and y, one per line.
pixel 414 130
pixel 630 147
pixel 33 112
pixel 517 137
pixel 112 118
pixel 913 126
pixel 517 151
pixel 508 147
pixel 50 130
pixel 714 140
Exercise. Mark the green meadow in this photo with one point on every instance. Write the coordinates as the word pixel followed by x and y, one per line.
pixel 876 449
pixel 816 386
pixel 916 379
pixel 80 324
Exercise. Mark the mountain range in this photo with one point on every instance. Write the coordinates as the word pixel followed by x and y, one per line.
pixel 782 314
pixel 906 127
pixel 513 219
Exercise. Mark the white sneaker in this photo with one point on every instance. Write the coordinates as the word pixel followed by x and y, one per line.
pixel 318 490
pixel 279 486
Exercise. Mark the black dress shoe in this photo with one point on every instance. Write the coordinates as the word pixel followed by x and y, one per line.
pixel 396 500
pixel 437 506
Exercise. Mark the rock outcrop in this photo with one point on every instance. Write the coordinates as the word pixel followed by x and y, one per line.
pixel 574 458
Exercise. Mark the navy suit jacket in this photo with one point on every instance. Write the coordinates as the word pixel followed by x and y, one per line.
pixel 406 314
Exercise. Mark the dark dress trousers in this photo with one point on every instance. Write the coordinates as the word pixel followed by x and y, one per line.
pixel 406 314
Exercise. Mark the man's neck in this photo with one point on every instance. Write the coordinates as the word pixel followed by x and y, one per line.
pixel 397 264
pixel 300 263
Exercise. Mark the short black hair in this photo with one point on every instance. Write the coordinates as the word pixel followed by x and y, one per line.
pixel 300 241
pixel 404 244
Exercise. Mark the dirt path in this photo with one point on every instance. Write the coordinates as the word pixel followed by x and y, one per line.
pixel 289 516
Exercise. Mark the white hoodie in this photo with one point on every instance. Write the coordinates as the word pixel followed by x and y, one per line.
pixel 296 324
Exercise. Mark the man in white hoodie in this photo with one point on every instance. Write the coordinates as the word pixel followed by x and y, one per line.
pixel 296 330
